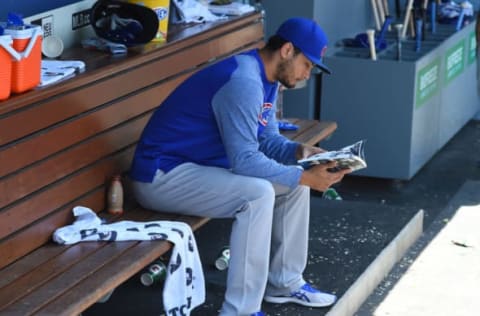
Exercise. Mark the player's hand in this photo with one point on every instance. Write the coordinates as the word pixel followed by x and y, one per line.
pixel 319 178
pixel 305 151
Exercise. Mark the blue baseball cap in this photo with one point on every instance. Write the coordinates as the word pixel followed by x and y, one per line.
pixel 308 37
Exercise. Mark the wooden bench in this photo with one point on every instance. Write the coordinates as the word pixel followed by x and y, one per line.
pixel 60 145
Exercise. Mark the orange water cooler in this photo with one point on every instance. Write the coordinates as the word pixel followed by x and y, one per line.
pixel 5 66
pixel 27 42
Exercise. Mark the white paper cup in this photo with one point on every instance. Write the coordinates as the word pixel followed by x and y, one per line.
pixel 52 46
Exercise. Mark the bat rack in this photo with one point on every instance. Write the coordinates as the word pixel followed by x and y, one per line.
pixel 406 109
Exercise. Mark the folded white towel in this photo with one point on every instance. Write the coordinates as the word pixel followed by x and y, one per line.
pixel 193 11
pixel 55 70
pixel 184 287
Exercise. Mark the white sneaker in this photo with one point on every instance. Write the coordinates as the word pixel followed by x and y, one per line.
pixel 306 296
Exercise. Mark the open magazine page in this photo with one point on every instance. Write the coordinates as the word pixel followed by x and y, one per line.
pixel 351 156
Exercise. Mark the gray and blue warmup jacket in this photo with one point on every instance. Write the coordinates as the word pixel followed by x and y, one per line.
pixel 223 116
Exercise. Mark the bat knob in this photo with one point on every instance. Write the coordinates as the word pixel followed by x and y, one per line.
pixel 399 28
pixel 371 42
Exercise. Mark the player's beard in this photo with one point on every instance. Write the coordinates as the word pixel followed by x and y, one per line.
pixel 285 73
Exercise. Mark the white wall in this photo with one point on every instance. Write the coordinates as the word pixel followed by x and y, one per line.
pixel 62 22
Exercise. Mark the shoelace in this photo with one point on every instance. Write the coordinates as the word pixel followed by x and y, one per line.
pixel 300 295
pixel 307 287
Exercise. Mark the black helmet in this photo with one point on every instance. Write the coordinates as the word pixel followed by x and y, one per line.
pixel 125 23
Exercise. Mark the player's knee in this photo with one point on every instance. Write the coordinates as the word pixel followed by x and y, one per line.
pixel 303 190
pixel 263 190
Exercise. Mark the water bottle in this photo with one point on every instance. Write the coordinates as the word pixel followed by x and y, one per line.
pixel 115 196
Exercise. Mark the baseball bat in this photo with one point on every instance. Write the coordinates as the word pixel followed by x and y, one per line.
pixel 425 4
pixel 411 24
pixel 399 28
pixel 381 12
pixel 433 17
pixel 375 13
pixel 460 20
pixel 380 42
pixel 418 36
pixel 371 43
pixel 385 7
pixel 398 9
pixel 424 18
pixel 406 21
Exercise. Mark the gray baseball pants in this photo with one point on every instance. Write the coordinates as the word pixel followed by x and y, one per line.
pixel 268 219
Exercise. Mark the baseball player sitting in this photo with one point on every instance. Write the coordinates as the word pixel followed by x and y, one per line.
pixel 212 148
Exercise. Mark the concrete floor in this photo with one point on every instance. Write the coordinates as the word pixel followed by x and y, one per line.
pixel 440 273
pixel 345 235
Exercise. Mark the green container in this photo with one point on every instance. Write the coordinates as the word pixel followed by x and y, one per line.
pixel 156 272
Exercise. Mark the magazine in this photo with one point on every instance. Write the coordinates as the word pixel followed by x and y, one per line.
pixel 348 157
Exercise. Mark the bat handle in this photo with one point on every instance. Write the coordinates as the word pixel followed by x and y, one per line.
pixel 418 42
pixel 383 30
pixel 460 20
pixel 398 10
pixel 375 13
pixel 408 12
pixel 371 43
pixel 433 16
pixel 399 28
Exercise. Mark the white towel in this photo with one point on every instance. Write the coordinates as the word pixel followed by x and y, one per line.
pixel 56 70
pixel 193 11
pixel 184 287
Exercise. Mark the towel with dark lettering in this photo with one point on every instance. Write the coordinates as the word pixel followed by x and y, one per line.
pixel 184 287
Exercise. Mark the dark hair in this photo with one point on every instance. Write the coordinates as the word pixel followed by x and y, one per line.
pixel 275 42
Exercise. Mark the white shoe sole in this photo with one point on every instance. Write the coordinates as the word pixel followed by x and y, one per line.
pixel 285 299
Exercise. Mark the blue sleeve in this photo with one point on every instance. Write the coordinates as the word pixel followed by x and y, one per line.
pixel 275 145
pixel 237 114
